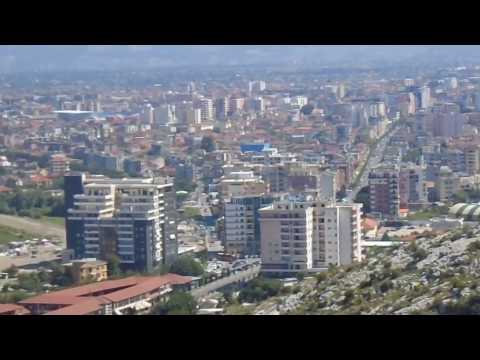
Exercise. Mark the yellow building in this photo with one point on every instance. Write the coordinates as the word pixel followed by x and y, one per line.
pixel 88 269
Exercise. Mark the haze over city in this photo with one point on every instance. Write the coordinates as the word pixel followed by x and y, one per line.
pixel 239 180
pixel 15 58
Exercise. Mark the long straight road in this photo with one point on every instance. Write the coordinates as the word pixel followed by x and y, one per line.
pixel 375 159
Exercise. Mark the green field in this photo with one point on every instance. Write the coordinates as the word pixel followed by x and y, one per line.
pixel 60 221
pixel 8 234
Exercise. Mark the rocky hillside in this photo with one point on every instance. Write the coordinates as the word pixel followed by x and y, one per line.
pixel 436 275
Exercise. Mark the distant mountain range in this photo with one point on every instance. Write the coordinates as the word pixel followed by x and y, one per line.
pixel 25 58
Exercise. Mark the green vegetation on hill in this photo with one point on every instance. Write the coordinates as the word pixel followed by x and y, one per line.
pixel 187 266
pixel 428 213
pixel 436 274
pixel 260 289
pixel 8 234
pixel 179 303
pixel 31 203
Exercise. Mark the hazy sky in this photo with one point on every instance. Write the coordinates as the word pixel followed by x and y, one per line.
pixel 82 57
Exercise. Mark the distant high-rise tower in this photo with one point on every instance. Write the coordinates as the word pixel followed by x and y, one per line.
pixel 165 114
pixel 222 108
pixel 206 106
pixel 147 114
pixel 425 101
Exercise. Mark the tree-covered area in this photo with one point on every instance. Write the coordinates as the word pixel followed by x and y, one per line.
pixel 208 144
pixel 363 197
pixel 182 184
pixel 187 266
pixel 179 303
pixel 466 196
pixel 109 173
pixel 412 155
pixel 31 203
pixel 33 283
pixel 260 289
pixel 12 155
pixel 192 213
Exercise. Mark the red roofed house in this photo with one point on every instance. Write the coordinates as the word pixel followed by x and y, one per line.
pixel 4 189
pixel 110 297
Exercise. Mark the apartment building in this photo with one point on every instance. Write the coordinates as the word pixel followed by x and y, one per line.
pixel 222 108
pixel 87 269
pixel 384 191
pixel 242 183
pixel 412 186
pixel 59 165
pixel 206 107
pixel 242 227
pixel 133 219
pixel 447 184
pixel 308 234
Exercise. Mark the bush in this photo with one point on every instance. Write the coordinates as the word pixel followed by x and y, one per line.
pixel 474 246
pixel 349 295
pixel 187 266
pixel 420 254
pixel 321 277
pixel 385 286
pixel 179 303
pixel 300 276
pixel 260 289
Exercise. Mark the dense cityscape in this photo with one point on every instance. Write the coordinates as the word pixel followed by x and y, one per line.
pixel 242 190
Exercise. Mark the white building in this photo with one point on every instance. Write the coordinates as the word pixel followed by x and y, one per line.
pixel 299 101
pixel 309 235
pixel 147 114
pixel 206 107
pixel 130 218
pixel 425 100
pixel 194 116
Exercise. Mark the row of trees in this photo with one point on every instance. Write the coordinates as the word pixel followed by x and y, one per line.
pixel 32 203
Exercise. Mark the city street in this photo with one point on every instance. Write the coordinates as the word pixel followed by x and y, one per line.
pixel 373 161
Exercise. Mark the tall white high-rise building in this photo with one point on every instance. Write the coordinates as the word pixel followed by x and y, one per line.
pixel 147 114
pixel 165 114
pixel 453 83
pixel 206 106
pixel 299 101
pixel 256 86
pixel 309 235
pixel 341 91
pixel 194 116
pixel 425 100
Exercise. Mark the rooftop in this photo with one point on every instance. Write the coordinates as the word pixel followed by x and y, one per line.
pixel 89 298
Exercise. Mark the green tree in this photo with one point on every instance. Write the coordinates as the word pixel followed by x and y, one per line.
pixel 113 266
pixel 187 266
pixel 12 271
pixel 260 289
pixel 208 144
pixel 179 303
pixel 307 109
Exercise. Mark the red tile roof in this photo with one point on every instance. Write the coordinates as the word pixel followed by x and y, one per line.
pixel 8 308
pixel 82 308
pixel 82 300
